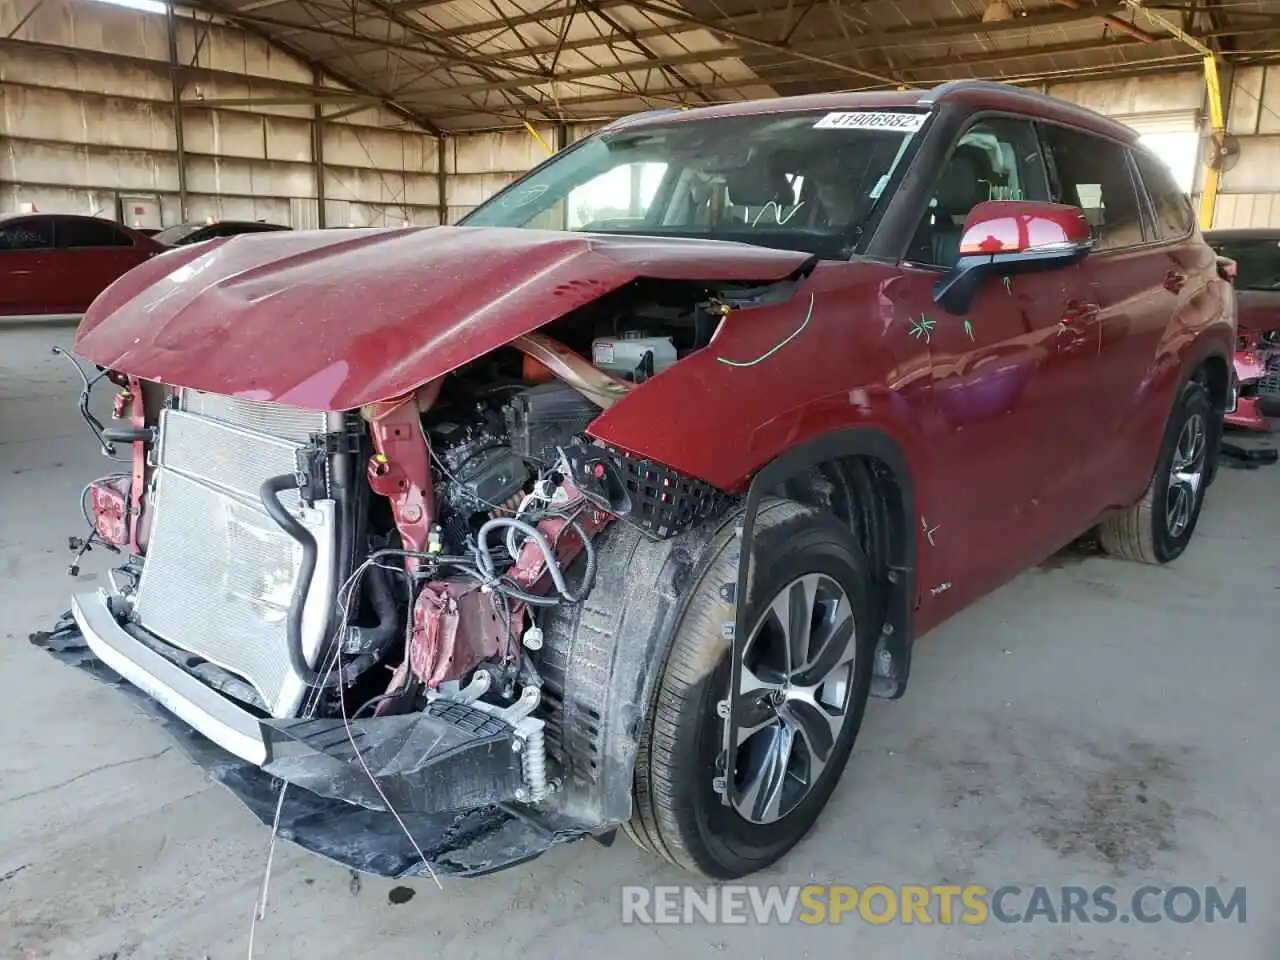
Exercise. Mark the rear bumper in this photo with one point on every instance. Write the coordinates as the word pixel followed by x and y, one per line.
pixel 453 800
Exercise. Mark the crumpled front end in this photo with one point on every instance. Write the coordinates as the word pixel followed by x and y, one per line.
pixel 350 593
pixel 470 840
pixel 259 613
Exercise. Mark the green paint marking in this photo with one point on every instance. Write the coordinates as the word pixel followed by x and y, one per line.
pixel 968 329
pixel 922 328
pixel 1008 285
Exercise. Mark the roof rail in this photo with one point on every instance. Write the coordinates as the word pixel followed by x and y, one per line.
pixel 1064 108
pixel 954 86
pixel 643 114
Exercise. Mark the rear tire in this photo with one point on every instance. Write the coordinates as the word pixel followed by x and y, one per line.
pixel 812 572
pixel 1158 527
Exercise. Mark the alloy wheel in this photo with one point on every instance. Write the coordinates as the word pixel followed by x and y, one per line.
pixel 1186 475
pixel 793 698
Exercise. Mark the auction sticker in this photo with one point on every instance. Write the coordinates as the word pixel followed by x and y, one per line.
pixel 871 120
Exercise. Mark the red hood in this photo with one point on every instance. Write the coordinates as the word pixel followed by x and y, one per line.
pixel 338 319
pixel 1258 310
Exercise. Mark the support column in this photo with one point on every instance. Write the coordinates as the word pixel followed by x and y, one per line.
pixel 317 151
pixel 1218 121
pixel 175 88
pixel 442 152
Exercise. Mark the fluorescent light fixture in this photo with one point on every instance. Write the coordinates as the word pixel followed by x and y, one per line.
pixel 146 6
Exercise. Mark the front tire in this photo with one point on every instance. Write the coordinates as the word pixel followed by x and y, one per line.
pixel 807 664
pixel 1158 527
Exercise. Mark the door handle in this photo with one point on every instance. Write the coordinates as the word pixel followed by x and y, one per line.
pixel 1175 281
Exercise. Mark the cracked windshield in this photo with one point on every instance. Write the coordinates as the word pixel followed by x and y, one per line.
pixel 806 182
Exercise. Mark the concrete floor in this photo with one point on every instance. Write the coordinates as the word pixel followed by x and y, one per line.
pixel 1093 722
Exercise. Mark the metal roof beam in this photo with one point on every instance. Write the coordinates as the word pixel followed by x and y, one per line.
pixel 630 37
pixel 570 76
pixel 290 28
pixel 326 72
pixel 477 63
pixel 892 38
pixel 159 65
pixel 943 28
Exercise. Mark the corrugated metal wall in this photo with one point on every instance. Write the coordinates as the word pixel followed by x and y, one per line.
pixel 478 165
pixel 87 126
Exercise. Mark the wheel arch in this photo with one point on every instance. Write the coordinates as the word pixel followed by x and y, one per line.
pixel 1209 357
pixel 876 466
pixel 607 656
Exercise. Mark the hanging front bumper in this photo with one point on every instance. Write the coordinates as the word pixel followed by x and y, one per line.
pixel 451 773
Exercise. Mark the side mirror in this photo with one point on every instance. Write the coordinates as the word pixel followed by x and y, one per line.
pixel 1004 237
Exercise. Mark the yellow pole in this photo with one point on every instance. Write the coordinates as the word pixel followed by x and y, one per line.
pixel 1217 117
pixel 534 133
pixel 1218 121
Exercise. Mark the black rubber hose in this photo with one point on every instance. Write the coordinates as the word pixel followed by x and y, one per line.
pixel 269 492
pixel 377 640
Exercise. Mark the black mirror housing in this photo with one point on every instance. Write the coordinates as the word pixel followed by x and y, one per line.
pixel 955 291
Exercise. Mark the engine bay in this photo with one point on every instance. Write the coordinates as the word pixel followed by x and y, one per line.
pixel 465 510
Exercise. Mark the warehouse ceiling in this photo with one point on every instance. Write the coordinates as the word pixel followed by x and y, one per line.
pixel 454 65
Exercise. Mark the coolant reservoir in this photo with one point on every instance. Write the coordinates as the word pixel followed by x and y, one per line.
pixel 626 356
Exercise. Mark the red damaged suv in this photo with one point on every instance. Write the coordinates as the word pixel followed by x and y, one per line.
pixel 612 505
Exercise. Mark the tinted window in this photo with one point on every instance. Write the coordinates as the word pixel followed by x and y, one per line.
pixel 1093 174
pixel 90 233
pixel 1172 208
pixel 26 235
pixel 994 160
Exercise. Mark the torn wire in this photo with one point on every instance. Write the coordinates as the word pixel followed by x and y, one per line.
pixel 86 390
pixel 344 597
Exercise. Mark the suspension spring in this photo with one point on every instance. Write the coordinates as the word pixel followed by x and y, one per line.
pixel 534 759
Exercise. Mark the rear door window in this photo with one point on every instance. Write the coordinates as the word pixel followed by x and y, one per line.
pixel 74 234
pixel 1093 173
pixel 33 234
pixel 1174 218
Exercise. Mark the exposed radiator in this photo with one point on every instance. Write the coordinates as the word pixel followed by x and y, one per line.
pixel 220 572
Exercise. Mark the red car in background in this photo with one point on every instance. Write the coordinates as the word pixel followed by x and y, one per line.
pixel 1256 254
pixel 54 265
